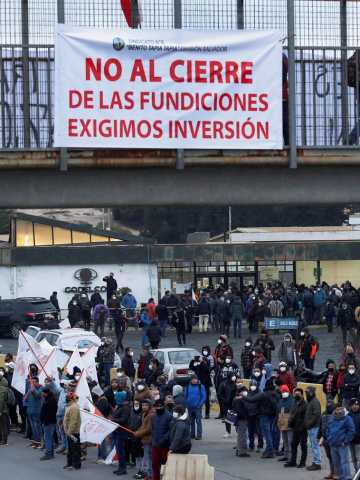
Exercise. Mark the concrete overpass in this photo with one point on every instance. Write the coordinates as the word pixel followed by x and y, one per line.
pixel 33 179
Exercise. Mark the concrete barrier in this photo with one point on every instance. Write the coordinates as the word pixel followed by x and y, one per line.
pixel 187 467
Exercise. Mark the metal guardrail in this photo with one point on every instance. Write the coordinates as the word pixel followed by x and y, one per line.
pixel 319 37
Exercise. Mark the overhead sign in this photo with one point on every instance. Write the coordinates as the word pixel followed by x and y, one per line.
pixel 168 89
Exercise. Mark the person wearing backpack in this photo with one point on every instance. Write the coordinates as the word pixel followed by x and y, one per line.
pixel 195 396
pixel 4 413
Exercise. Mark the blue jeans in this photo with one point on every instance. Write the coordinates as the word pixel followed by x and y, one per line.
pixel 60 432
pixel 35 425
pixel 195 416
pixel 265 426
pixel 49 431
pixel 340 459
pixel 315 447
pixel 146 466
pixel 145 339
pixel 119 438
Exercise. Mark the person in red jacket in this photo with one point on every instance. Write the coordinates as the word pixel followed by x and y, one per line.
pixel 151 309
pixel 286 377
pixel 223 350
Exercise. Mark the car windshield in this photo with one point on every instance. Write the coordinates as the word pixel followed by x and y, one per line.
pixel 182 357
pixel 85 343
pixel 40 306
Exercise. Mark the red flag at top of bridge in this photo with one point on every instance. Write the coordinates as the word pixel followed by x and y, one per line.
pixel 131 9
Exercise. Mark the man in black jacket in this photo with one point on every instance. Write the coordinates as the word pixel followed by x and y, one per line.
pixel 111 285
pixel 355 443
pixel 127 363
pixel 121 416
pixel 154 334
pixel 346 320
pixel 240 407
pixel 180 438
pixel 48 421
pixel 297 424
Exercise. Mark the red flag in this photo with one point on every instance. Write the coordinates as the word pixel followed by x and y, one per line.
pixel 131 9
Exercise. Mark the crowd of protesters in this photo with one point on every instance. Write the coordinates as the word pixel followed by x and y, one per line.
pixel 258 396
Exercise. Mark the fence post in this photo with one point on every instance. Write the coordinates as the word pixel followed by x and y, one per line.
pixel 63 164
pixel 240 15
pixel 292 83
pixel 25 71
pixel 180 154
pixel 344 88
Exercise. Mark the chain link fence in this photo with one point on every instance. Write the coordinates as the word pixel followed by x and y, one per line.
pixel 326 34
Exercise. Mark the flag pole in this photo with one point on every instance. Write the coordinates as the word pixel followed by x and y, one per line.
pixel 32 351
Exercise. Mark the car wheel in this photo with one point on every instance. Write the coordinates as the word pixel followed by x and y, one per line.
pixel 15 330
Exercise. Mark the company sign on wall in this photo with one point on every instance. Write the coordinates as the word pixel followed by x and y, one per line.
pixel 168 89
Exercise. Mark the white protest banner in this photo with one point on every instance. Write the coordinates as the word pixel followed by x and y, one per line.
pixel 168 89
pixel 34 350
pixel 75 361
pixel 95 429
pixel 21 371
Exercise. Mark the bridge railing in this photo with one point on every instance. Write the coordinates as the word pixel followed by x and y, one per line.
pixel 318 42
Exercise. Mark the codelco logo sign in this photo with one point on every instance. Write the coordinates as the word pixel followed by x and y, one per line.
pixel 85 276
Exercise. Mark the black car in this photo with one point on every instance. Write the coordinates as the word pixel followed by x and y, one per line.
pixel 19 313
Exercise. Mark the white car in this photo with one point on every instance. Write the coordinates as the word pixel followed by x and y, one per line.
pixel 176 362
pixel 67 340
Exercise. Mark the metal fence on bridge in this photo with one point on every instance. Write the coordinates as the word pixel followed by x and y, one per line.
pixel 319 37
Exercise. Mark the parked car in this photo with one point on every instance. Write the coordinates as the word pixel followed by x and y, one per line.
pixel 17 314
pixel 67 339
pixel 176 362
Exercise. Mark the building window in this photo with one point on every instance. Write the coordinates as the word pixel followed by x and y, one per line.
pixel 62 236
pixel 43 234
pixel 99 239
pixel 24 234
pixel 80 237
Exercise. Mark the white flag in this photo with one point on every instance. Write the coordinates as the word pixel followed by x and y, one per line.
pixel 75 361
pixel 84 394
pixel 21 371
pixel 28 344
pixel 111 458
pixel 89 363
pixel 95 429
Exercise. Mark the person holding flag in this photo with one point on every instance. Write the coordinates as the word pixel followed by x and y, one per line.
pixel 121 416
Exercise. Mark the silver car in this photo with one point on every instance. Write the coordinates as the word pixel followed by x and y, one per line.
pixel 176 362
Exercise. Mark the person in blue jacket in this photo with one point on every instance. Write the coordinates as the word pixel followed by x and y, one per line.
pixel 160 437
pixel 33 398
pixel 195 398
pixel 340 431
pixel 129 303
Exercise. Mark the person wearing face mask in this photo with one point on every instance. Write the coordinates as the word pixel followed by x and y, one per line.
pixel 346 320
pixel 223 350
pixel 286 377
pixel 156 370
pixel 48 421
pixel 143 363
pixel 256 377
pixel 74 312
pixel 226 395
pixel 127 364
pixel 297 424
pixel 33 398
pixel 240 407
pixel 144 435
pixel 142 392
pixel 133 446
pixel 340 431
pixel 253 418
pixel 72 423
pixel 247 358
pixel 121 416
pixel 307 348
pixel 350 356
pixel 160 428
pixel 106 357
pixel 287 351
pixel 195 398
pixel 266 344
pixel 351 385
pixel 285 406
pixel 312 422
pixel 180 438
pixel 330 380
